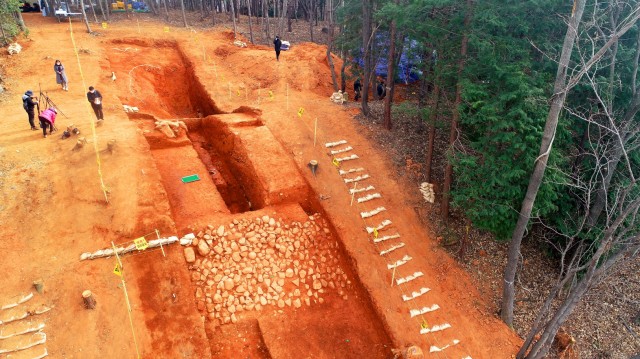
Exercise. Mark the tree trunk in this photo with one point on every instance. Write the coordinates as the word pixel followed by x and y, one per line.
pixel 268 28
pixel 107 9
pixel 343 77
pixel 23 27
pixel 126 10
pixel 233 17
pixel 366 48
pixel 433 117
pixel 166 9
pixel 453 131
pixel 84 16
pixel 284 15
pixel 557 102
pixel 391 61
pixel 104 15
pixel 93 10
pixel 184 15
pixel 250 27
pixel 311 21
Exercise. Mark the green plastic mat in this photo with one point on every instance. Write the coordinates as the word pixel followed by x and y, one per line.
pixel 191 178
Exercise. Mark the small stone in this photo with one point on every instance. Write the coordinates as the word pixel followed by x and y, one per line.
pixel 220 231
pixel 296 282
pixel 302 274
pixel 217 298
pixel 297 303
pixel 236 257
pixel 288 302
pixel 189 254
pixel 218 249
pixel 203 248
pixel 272 222
pixel 247 270
pixel 232 308
pixel 263 301
pixel 307 301
pixel 228 284
pixel 280 303
pixel 320 300
pixel 198 293
pixel 317 284
pixel 289 273
pixel 233 318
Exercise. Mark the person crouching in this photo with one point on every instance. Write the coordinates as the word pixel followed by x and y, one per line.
pixel 48 119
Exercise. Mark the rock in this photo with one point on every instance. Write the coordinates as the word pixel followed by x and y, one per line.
pixel 189 254
pixel 263 301
pixel 288 302
pixel 317 285
pixel 280 303
pixel 236 257
pixel 302 274
pixel 228 284
pixel 220 231
pixel 307 301
pixel 272 222
pixel 289 273
pixel 198 293
pixel 233 318
pixel 218 249
pixel 247 270
pixel 241 289
pixel 252 255
pixel 296 282
pixel 217 298
pixel 203 248
pixel 297 303
pixel 232 308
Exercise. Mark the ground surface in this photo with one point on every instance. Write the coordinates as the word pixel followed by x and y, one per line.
pixel 52 207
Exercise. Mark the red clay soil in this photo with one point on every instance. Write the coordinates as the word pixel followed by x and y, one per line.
pixel 52 207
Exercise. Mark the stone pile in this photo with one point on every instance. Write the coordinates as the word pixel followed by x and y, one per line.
pixel 252 264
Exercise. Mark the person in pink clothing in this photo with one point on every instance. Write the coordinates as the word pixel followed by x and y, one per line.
pixel 47 119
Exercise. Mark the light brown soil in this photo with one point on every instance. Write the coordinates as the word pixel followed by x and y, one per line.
pixel 52 207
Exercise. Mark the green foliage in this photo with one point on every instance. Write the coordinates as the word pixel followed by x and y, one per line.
pixel 7 20
pixel 502 117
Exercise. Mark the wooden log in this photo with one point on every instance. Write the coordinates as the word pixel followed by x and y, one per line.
pixel 89 301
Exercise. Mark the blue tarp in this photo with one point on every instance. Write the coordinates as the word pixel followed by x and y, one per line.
pixel 408 70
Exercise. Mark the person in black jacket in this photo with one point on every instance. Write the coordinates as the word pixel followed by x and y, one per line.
pixel 382 91
pixel 95 98
pixel 29 102
pixel 357 88
pixel 277 43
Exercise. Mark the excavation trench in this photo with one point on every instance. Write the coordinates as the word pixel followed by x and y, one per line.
pixel 293 279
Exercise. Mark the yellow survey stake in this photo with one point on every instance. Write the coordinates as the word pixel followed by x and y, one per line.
pixel 336 162
pixel 117 270
pixel 300 112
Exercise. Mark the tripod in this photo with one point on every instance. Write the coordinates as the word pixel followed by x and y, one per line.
pixel 48 102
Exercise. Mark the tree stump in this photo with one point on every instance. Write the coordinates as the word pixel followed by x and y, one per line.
pixel 39 286
pixel 81 142
pixel 89 301
pixel 111 145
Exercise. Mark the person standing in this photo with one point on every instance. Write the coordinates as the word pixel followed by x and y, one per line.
pixel 277 44
pixel 61 75
pixel 95 98
pixel 357 87
pixel 382 92
pixel 29 103
pixel 48 119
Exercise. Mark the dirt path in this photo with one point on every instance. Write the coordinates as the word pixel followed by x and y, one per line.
pixel 52 207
